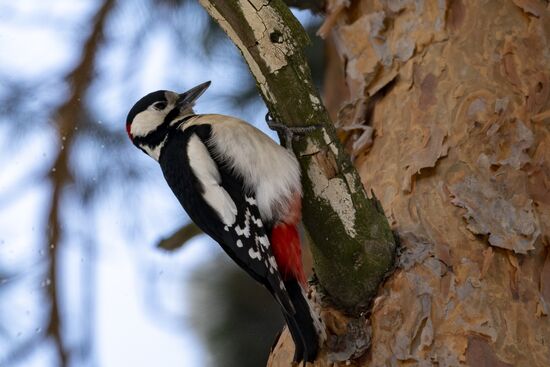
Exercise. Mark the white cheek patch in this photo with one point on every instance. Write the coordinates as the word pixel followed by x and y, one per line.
pixel 146 122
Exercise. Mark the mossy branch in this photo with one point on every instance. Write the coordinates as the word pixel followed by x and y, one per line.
pixel 352 244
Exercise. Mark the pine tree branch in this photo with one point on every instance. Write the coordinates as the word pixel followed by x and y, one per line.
pixel 180 237
pixel 67 118
pixel 352 244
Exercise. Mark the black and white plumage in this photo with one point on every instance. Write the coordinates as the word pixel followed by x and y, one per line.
pixel 240 188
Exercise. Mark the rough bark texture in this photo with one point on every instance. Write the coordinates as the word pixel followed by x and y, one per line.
pixel 448 118
pixel 352 244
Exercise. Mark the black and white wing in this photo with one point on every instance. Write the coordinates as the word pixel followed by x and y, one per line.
pixel 218 203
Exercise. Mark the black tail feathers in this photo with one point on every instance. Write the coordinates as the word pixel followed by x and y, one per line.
pixel 301 325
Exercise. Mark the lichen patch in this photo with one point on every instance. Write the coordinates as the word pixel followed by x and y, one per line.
pixel 274 39
pixel 335 192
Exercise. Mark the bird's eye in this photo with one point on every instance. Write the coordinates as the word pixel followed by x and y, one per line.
pixel 159 105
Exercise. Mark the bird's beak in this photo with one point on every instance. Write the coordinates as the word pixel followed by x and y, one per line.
pixel 188 98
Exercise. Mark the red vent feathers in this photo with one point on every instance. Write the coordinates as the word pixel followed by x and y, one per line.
pixel 285 243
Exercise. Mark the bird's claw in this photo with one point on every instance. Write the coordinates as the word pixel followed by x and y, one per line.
pixel 289 132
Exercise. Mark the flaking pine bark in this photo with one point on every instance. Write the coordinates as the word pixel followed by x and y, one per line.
pixel 456 97
pixel 444 106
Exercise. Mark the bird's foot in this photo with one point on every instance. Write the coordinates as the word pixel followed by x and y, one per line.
pixel 289 132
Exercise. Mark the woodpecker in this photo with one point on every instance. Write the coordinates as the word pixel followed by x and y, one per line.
pixel 240 188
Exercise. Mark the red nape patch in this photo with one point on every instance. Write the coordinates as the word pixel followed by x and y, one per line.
pixel 285 243
pixel 128 127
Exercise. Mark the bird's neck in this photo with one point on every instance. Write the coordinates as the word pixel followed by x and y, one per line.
pixel 154 151
pixel 182 117
pixel 153 142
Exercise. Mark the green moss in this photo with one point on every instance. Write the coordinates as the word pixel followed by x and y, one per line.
pixel 349 268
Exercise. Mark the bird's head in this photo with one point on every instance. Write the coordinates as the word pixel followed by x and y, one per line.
pixel 151 118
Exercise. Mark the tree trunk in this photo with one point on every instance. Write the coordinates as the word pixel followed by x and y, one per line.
pixel 342 222
pixel 446 115
pixel 457 94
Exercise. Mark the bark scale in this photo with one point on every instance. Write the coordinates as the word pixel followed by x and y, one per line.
pixel 457 95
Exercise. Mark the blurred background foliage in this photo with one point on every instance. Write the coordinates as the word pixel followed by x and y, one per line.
pixel 81 208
